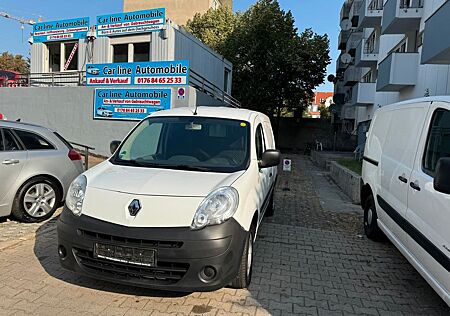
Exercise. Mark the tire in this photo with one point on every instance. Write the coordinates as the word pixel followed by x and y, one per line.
pixel 244 276
pixel 371 228
pixel 36 201
pixel 271 207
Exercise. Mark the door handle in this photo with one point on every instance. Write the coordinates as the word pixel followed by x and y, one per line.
pixel 10 162
pixel 270 175
pixel 403 179
pixel 415 186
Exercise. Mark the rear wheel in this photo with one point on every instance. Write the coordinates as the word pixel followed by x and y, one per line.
pixel 371 228
pixel 36 201
pixel 244 276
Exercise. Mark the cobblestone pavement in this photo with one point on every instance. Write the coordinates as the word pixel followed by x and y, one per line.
pixel 308 261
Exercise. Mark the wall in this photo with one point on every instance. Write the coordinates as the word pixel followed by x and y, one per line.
pixel 178 10
pixel 348 181
pixel 294 134
pixel 69 111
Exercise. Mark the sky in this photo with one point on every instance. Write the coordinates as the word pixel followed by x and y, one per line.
pixel 320 15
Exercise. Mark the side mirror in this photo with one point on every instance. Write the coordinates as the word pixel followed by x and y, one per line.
pixel 442 178
pixel 270 158
pixel 113 146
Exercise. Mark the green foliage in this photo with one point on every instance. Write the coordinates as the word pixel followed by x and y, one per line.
pixel 324 112
pixel 214 27
pixel 352 164
pixel 14 62
pixel 274 67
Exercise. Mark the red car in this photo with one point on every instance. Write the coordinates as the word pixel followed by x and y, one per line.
pixel 9 78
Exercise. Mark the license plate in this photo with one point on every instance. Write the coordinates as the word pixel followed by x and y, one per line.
pixel 136 256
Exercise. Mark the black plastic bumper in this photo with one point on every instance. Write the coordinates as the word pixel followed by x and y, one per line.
pixel 182 254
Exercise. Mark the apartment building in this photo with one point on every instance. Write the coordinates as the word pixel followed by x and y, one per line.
pixel 391 50
pixel 179 11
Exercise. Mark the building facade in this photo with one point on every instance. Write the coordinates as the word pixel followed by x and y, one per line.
pixel 180 11
pixel 320 99
pixel 391 50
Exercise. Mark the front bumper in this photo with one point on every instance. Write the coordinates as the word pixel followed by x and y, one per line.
pixel 182 254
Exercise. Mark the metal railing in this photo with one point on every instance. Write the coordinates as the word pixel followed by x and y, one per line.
pixel 411 4
pixel 376 5
pixel 202 84
pixel 85 152
pixel 49 79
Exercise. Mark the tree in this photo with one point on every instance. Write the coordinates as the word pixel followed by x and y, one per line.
pixel 214 27
pixel 12 62
pixel 274 67
pixel 325 112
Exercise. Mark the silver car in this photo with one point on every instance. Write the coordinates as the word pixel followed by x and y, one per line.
pixel 37 166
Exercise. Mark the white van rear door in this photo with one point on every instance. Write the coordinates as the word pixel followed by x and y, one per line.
pixel 428 216
pixel 397 162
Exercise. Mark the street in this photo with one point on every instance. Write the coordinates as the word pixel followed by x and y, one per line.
pixel 310 258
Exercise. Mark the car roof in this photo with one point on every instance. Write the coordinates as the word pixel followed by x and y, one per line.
pixel 211 111
pixel 29 126
pixel 413 102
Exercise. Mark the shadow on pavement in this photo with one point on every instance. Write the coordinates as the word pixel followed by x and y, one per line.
pixel 45 250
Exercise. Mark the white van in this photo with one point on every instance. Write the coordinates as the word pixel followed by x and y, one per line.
pixel 178 205
pixel 406 185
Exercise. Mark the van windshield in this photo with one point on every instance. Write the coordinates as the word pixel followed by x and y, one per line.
pixel 187 143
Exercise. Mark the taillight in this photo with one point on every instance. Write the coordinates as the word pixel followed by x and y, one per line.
pixel 74 155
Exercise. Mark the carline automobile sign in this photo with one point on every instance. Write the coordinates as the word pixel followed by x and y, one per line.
pixel 131 22
pixel 166 73
pixel 60 30
pixel 130 104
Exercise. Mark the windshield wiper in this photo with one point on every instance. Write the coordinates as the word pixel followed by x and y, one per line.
pixel 187 167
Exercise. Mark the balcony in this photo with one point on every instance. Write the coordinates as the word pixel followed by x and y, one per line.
pixel 352 43
pixel 345 10
pixel 354 12
pixel 340 66
pixel 436 45
pixel 397 71
pixel 370 14
pixel 401 16
pixel 343 39
pixel 348 112
pixel 363 94
pixel 352 75
pixel 366 53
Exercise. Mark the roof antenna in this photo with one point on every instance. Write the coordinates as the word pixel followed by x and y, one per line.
pixel 196 106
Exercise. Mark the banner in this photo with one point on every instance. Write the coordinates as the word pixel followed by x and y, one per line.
pixel 130 104
pixel 131 22
pixel 72 29
pixel 167 73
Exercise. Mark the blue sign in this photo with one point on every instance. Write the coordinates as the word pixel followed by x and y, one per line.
pixel 130 104
pixel 167 73
pixel 131 22
pixel 73 29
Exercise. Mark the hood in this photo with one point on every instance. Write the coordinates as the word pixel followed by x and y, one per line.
pixel 158 182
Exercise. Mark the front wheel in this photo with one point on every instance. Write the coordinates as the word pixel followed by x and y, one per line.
pixel 371 228
pixel 244 276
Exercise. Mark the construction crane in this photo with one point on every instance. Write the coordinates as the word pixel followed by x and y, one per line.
pixel 20 20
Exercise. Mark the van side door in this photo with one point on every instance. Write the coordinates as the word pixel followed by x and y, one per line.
pixel 264 174
pixel 428 216
pixel 397 161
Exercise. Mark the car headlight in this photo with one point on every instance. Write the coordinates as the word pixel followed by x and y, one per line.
pixel 216 208
pixel 75 195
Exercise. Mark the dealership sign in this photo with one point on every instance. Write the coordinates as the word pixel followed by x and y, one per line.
pixel 130 104
pixel 73 29
pixel 168 73
pixel 131 22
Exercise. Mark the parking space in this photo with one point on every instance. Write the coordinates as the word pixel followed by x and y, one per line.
pixel 309 259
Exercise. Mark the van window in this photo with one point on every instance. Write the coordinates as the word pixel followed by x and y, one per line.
pixel 260 146
pixel 10 143
pixel 187 143
pixel 438 142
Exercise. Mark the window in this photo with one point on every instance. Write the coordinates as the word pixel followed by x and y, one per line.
pixel 260 146
pixel 141 52
pixel 187 143
pixel 9 143
pixel 62 49
pixel 120 53
pixel 226 79
pixel 438 143
pixel 419 40
pixel 33 141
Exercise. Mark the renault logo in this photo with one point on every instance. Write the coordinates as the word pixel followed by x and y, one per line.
pixel 134 207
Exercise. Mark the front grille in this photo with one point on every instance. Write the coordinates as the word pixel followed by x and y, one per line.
pixel 164 273
pixel 132 241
